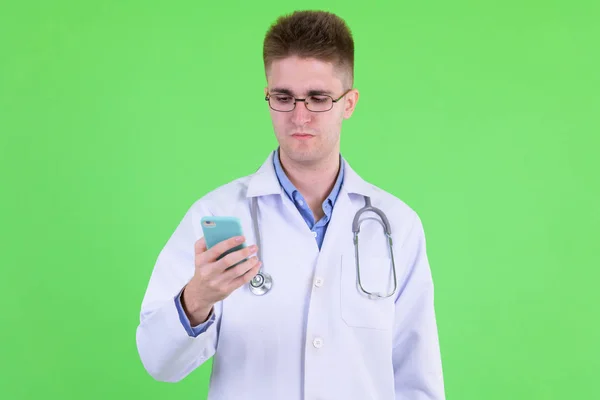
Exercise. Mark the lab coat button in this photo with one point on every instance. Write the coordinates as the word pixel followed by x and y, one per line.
pixel 318 281
pixel 318 343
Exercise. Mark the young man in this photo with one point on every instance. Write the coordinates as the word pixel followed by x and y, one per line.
pixel 315 334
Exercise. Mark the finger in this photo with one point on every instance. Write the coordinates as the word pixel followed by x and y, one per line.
pixel 240 269
pixel 200 246
pixel 247 277
pixel 236 257
pixel 222 247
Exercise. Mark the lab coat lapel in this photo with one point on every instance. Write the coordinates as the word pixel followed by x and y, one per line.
pixel 264 181
pixel 350 198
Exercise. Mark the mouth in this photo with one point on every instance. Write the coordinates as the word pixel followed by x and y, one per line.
pixel 302 136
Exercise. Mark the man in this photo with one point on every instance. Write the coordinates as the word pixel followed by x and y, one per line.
pixel 315 334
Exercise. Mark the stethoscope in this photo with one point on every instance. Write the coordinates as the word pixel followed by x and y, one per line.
pixel 263 282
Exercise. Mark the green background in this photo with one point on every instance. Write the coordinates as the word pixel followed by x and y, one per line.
pixel 482 116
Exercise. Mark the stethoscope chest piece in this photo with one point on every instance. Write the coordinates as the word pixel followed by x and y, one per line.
pixel 261 283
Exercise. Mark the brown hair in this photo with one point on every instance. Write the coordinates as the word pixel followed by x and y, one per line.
pixel 311 34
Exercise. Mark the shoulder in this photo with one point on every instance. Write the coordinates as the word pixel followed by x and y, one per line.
pixel 224 199
pixel 391 204
pixel 403 218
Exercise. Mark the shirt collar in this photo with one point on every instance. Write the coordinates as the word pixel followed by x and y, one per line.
pixel 291 190
pixel 264 181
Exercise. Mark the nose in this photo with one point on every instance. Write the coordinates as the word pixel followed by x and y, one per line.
pixel 300 114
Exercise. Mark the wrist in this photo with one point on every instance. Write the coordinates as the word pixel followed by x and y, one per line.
pixel 196 311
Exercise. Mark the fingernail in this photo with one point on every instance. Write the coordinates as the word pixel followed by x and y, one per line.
pixel 239 239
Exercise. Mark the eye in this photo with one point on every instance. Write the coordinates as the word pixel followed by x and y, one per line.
pixel 282 98
pixel 318 99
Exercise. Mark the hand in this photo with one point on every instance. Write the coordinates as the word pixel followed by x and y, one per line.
pixel 212 280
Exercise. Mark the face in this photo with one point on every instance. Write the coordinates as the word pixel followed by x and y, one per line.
pixel 307 137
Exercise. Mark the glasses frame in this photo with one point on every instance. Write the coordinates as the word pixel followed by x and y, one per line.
pixel 296 100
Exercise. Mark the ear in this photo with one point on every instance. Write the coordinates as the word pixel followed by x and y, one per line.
pixel 266 90
pixel 350 101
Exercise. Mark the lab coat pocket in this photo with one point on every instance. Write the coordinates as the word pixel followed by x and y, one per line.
pixel 357 308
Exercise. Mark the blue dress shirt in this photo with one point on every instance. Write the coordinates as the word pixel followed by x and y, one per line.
pixel 320 226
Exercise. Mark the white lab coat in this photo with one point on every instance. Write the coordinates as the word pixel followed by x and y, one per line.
pixel 314 335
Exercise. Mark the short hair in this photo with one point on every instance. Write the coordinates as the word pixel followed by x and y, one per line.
pixel 311 34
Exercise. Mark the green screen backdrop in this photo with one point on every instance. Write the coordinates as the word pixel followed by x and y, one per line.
pixel 482 116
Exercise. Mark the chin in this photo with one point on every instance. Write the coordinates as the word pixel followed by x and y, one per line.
pixel 302 155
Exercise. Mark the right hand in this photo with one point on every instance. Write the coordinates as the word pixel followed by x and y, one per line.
pixel 211 281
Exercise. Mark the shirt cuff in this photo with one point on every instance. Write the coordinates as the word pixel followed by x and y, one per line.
pixel 192 331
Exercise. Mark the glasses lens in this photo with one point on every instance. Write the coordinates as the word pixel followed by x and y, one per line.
pixel 319 103
pixel 281 102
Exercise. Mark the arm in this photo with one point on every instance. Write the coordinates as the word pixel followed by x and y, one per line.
pixel 184 318
pixel 416 352
pixel 168 346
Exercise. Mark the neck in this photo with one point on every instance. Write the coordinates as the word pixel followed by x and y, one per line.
pixel 314 181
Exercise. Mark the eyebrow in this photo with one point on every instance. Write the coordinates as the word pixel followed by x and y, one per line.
pixel 312 92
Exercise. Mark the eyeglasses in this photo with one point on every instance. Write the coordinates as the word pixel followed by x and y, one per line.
pixel 316 103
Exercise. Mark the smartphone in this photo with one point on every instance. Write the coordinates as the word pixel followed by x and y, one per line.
pixel 216 229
